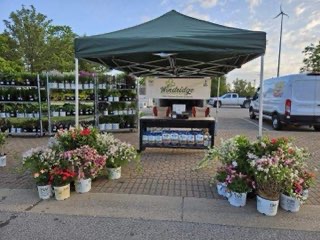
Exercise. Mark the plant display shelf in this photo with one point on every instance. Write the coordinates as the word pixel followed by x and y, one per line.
pixel 16 88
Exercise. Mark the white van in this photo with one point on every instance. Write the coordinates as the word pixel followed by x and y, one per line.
pixel 290 100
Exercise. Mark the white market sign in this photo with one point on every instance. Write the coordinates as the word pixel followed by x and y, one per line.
pixel 178 88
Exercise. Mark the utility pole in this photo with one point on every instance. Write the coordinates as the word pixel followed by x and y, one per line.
pixel 279 56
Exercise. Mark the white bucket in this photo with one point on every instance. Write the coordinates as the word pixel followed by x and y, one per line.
pixel 222 189
pixel 237 199
pixel 105 113
pixel 45 192
pixel 114 173
pixel 267 207
pixel 62 193
pixel 288 203
pixel 83 185
pixel 3 160
pixel 116 99
pixel 115 125
pixel 305 194
pixel 108 126
pixel 102 126
pixel 55 114
pixel 63 114
pixel 110 99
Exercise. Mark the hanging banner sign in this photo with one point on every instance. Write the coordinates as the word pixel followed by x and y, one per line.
pixel 178 88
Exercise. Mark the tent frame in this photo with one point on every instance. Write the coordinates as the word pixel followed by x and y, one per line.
pixel 142 67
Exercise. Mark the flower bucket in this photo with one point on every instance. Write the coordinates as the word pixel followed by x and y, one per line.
pixel 110 99
pixel 83 185
pixel 62 193
pixel 108 126
pixel 237 199
pixel 55 114
pixel 45 192
pixel 63 114
pixel 3 160
pixel 267 207
pixel 222 189
pixel 105 113
pixel 116 99
pixel 305 194
pixel 115 125
pixel 102 126
pixel 114 173
pixel 289 204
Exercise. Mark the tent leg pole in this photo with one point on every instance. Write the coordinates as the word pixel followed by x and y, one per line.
pixel 76 93
pixel 261 98
pixel 217 109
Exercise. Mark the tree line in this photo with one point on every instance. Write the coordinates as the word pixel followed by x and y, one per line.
pixel 32 43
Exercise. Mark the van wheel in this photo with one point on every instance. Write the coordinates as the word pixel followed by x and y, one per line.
pixel 251 114
pixel 316 128
pixel 276 124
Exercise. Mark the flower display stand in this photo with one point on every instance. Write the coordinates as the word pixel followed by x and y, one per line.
pixel 114 173
pixel 267 207
pixel 289 204
pixel 237 199
pixel 45 192
pixel 83 185
pixel 62 193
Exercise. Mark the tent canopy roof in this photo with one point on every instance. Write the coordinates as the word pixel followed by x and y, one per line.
pixel 173 45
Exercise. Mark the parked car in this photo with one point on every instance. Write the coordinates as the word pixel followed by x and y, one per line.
pixel 290 100
pixel 230 99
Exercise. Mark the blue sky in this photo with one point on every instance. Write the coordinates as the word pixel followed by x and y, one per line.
pixel 101 16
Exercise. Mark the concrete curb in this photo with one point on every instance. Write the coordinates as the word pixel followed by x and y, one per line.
pixel 183 209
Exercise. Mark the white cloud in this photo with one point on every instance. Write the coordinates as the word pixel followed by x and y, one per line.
pixel 163 2
pixel 253 4
pixel 208 3
pixel 189 10
pixel 313 24
pixel 299 10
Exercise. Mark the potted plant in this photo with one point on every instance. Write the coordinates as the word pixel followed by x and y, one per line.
pixel 238 186
pixel 87 164
pixel 75 138
pixel 61 178
pixel 220 178
pixel 119 153
pixel 39 162
pixel 116 96
pixel 3 156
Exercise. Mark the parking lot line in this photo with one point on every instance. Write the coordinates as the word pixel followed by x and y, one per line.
pixel 249 121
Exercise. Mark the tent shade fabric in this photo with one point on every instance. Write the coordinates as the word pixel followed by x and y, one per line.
pixel 173 45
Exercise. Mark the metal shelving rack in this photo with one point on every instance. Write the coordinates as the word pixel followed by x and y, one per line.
pixel 18 87
pixel 98 114
pixel 49 88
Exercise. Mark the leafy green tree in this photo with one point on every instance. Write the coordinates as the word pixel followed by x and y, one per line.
pixel 243 87
pixel 28 29
pixel 224 87
pixel 10 61
pixel 59 51
pixel 311 60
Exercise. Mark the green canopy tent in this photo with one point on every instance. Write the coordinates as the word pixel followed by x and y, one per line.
pixel 173 45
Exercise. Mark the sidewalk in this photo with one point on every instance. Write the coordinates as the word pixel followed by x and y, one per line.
pixel 163 208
